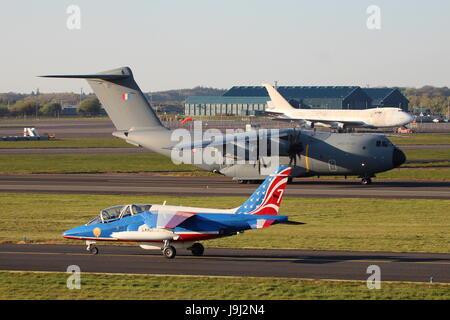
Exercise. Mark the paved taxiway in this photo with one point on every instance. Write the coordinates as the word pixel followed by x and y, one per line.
pixel 151 183
pixel 90 128
pixel 45 151
pixel 61 128
pixel 230 262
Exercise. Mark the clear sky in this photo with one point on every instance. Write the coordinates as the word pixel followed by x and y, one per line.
pixel 172 44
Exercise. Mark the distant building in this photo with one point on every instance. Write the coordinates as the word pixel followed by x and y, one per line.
pixel 69 110
pixel 72 110
pixel 252 100
pixel 169 109
pixel 225 106
pixel 387 97
pixel 422 111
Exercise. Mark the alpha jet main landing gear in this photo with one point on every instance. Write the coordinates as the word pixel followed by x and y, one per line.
pixel 197 249
pixel 170 252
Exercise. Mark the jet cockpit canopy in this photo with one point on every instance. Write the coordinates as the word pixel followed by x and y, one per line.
pixel 118 212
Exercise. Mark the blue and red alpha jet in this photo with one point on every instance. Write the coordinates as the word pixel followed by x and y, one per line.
pixel 168 228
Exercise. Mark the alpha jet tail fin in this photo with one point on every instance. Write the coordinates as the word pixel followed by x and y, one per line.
pixel 121 97
pixel 266 200
pixel 277 102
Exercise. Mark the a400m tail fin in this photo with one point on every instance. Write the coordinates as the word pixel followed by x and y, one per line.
pixel 121 97
pixel 266 200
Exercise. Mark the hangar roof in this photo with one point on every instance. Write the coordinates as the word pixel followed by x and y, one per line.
pixel 378 93
pixel 384 95
pixel 294 91
pixel 222 99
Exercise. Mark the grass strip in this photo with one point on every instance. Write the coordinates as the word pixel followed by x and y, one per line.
pixel 433 154
pixel 99 163
pixel 421 139
pixel 397 225
pixel 89 163
pixel 53 286
pixel 428 174
pixel 67 143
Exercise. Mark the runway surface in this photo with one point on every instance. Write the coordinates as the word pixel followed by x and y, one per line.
pixel 61 128
pixel 149 184
pixel 45 151
pixel 94 128
pixel 230 262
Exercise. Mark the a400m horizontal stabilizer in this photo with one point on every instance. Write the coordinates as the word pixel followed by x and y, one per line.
pixel 100 76
pixel 121 97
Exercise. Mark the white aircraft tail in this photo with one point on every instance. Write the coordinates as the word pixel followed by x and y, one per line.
pixel 30 132
pixel 278 103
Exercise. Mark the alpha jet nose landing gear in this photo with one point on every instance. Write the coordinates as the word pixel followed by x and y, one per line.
pixel 91 247
pixel 168 251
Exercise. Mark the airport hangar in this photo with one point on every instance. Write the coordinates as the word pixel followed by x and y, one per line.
pixel 252 100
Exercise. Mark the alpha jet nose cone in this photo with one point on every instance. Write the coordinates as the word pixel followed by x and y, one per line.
pixel 398 157
pixel 68 233
pixel 75 232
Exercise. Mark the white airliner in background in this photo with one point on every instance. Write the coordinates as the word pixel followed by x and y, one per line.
pixel 337 119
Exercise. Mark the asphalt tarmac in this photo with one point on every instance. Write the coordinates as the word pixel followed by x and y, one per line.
pixel 344 265
pixel 45 151
pixel 158 184
pixel 60 128
pixel 420 267
pixel 94 128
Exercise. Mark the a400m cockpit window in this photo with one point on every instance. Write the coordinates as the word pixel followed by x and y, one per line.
pixel 118 212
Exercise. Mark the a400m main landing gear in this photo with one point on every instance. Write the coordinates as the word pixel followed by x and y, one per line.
pixel 366 179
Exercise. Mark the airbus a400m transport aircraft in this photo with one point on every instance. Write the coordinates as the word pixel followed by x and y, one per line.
pixel 309 153
pixel 165 227
pixel 372 118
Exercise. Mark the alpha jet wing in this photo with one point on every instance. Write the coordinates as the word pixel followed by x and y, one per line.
pixel 172 220
pixel 157 226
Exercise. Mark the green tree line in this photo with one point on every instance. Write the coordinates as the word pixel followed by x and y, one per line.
pixel 38 106
pixel 437 99
pixel 434 98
